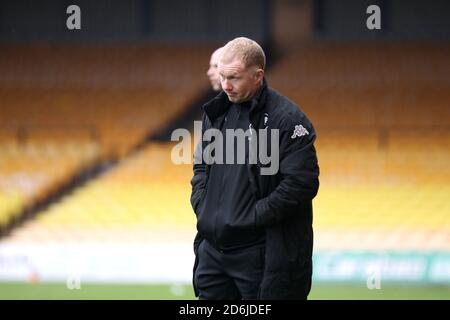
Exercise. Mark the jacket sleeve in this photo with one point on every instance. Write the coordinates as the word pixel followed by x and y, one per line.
pixel 298 169
pixel 198 181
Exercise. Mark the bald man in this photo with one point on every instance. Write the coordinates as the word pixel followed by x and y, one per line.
pixel 255 236
pixel 213 73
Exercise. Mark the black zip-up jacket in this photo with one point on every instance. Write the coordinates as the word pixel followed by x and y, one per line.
pixel 283 200
pixel 227 214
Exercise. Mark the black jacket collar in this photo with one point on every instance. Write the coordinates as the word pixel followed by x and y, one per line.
pixel 217 106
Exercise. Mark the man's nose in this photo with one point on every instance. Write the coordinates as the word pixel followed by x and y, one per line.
pixel 226 85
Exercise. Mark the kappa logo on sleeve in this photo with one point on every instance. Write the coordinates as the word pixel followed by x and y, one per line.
pixel 299 131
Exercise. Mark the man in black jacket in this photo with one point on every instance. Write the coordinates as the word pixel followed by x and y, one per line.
pixel 255 235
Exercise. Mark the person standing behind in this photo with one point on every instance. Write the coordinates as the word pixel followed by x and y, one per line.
pixel 213 73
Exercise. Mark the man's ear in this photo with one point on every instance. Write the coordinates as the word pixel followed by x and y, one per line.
pixel 259 74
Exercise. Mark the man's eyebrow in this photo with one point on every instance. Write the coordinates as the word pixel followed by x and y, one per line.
pixel 232 74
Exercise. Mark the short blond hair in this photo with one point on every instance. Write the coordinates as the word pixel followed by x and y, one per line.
pixel 245 49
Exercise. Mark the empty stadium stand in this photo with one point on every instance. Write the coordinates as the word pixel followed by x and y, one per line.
pixel 382 119
pixel 101 92
pixel 383 142
pixel 68 107
pixel 146 197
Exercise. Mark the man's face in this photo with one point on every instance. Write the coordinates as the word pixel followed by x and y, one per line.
pixel 238 82
pixel 213 73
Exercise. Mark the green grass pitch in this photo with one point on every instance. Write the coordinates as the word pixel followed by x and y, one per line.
pixel 88 291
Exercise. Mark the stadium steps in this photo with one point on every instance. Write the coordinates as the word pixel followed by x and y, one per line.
pixel 35 174
pixel 143 197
